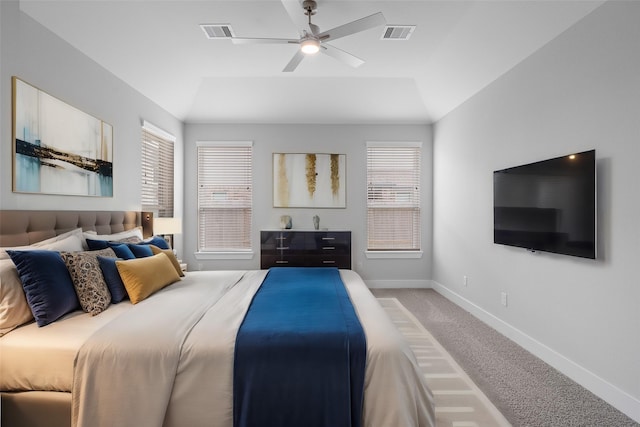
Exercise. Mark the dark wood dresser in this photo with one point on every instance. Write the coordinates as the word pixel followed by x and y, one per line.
pixel 294 248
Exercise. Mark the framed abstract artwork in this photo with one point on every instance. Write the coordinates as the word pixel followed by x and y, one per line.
pixel 309 180
pixel 58 149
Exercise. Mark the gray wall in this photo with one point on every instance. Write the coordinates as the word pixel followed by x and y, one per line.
pixel 35 55
pixel 579 92
pixel 347 139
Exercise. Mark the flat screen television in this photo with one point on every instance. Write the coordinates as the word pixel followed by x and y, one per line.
pixel 548 206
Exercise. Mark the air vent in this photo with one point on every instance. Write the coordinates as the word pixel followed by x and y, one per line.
pixel 217 31
pixel 398 32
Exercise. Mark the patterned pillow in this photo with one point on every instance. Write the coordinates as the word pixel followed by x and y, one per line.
pixel 87 279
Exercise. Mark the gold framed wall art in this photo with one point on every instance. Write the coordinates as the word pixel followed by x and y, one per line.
pixel 309 180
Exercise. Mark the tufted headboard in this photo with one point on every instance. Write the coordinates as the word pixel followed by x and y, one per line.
pixel 25 227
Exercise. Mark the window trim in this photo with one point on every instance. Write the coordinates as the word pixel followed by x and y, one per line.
pixel 393 254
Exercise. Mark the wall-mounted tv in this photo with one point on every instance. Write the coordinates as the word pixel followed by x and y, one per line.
pixel 548 206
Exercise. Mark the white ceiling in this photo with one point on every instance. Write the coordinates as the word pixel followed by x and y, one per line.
pixel 157 47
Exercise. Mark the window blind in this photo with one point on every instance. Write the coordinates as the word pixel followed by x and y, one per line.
pixel 393 196
pixel 224 196
pixel 157 171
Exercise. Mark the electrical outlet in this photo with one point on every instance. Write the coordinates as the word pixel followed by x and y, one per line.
pixel 466 281
pixel 503 298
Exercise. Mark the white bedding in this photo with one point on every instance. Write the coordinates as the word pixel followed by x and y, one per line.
pixel 148 368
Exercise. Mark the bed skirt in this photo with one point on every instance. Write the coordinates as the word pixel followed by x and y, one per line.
pixel 35 409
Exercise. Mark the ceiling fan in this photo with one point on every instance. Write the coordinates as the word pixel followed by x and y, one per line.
pixel 312 40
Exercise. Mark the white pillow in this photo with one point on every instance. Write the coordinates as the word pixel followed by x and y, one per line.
pixel 14 310
pixel 44 244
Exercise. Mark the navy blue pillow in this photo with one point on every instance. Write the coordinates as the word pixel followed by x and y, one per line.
pixel 156 241
pixel 140 250
pixel 112 278
pixel 122 250
pixel 94 245
pixel 47 284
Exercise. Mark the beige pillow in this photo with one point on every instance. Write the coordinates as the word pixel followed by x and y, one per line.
pixel 51 243
pixel 144 276
pixel 14 310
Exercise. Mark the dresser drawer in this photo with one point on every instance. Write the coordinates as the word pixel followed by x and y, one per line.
pixel 267 261
pixel 338 261
pixel 329 242
pixel 276 242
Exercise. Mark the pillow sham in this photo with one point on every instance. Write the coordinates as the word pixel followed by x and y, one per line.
pixel 144 276
pixel 14 309
pixel 112 278
pixel 87 278
pixel 46 283
pixel 172 257
pixel 134 232
pixel 69 241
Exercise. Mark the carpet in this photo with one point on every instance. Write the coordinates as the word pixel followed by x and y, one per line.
pixel 459 402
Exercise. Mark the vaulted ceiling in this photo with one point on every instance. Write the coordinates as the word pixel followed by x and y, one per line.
pixel 158 47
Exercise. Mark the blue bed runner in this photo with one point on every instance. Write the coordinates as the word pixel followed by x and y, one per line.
pixel 300 353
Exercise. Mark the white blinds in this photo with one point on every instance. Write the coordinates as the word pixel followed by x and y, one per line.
pixel 224 196
pixel 157 172
pixel 393 196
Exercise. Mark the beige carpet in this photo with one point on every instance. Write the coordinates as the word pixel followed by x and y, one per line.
pixel 459 402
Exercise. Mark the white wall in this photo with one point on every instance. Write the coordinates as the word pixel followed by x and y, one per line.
pixel 347 139
pixel 37 56
pixel 579 92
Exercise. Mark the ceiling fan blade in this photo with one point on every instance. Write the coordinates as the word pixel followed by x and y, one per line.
pixel 341 55
pixel 296 13
pixel 297 58
pixel 254 40
pixel 362 24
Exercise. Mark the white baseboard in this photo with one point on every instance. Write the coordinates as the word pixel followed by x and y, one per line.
pixel 396 284
pixel 611 394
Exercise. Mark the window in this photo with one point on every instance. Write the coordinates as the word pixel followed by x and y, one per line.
pixel 224 196
pixel 393 196
pixel 157 170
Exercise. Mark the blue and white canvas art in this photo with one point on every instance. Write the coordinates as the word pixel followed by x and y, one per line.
pixel 59 149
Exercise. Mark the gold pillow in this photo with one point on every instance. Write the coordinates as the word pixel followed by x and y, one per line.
pixel 172 258
pixel 144 276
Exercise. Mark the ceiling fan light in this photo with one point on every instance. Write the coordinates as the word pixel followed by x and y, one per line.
pixel 310 46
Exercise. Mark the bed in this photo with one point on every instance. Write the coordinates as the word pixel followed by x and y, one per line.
pixel 47 373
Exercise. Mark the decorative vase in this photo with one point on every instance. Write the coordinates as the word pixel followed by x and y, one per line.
pixel 316 222
pixel 285 222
